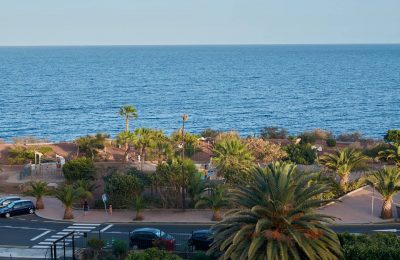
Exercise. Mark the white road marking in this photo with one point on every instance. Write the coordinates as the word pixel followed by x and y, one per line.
pixel 41 247
pixel 62 233
pixel 39 236
pixel 86 224
pixel 76 230
pixel 45 243
pixel 107 227
pixel 51 239
pixel 386 230
pixel 57 236
pixel 28 228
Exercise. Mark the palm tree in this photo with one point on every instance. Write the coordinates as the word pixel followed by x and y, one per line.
pixel 343 162
pixel 128 111
pixel 391 154
pixel 144 140
pixel 126 138
pixel 139 204
pixel 38 190
pixel 162 145
pixel 68 195
pixel 232 158
pixel 387 183
pixel 86 189
pixel 216 201
pixel 275 218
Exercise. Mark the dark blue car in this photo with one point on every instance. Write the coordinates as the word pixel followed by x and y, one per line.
pixel 18 207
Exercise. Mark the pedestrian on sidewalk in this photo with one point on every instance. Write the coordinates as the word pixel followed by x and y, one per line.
pixel 85 207
pixel 110 209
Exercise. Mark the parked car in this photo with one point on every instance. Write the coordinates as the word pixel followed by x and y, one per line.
pixel 143 238
pixel 7 200
pixel 18 207
pixel 201 239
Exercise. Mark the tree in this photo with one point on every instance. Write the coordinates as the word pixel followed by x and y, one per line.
pixel 232 159
pixel 392 136
pixel 90 144
pixel 216 201
pixel 265 151
pixel 79 169
pixel 391 154
pixel 38 190
pixel 273 132
pixel 196 185
pixel 68 195
pixel 86 187
pixel 275 218
pixel 128 111
pixel 191 143
pixel 387 183
pixel 162 146
pixel 122 189
pixel 144 140
pixel 127 138
pixel 343 162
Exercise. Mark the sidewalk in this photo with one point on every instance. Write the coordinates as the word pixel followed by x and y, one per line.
pixel 353 208
pixel 54 210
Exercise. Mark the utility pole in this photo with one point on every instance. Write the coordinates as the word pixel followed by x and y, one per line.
pixel 184 119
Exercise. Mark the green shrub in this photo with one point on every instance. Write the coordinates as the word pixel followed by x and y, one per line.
pixel 331 142
pixel 122 189
pixel 273 132
pixel 374 150
pixel 200 255
pixel 79 169
pixel 307 138
pixel 119 248
pixel 300 153
pixel 378 246
pixel 21 155
pixel 350 137
pixel 152 254
pixel 392 136
pixel 210 133
pixel 95 244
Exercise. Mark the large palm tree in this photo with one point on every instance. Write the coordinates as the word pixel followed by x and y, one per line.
pixel 275 218
pixel 162 145
pixel 387 183
pixel 68 195
pixel 343 162
pixel 232 158
pixel 391 154
pixel 144 140
pixel 216 201
pixel 128 111
pixel 126 138
pixel 38 190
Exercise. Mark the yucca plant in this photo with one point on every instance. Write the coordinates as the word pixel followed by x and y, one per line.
pixel 139 204
pixel 387 183
pixel 343 162
pixel 275 218
pixel 216 201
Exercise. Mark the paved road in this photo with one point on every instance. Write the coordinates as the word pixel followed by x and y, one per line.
pixel 32 232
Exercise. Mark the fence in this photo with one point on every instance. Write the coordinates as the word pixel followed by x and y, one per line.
pixel 66 247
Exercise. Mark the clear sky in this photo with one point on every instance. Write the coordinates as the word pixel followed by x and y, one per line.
pixel 93 22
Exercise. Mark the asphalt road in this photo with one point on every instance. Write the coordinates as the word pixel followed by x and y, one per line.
pixel 30 231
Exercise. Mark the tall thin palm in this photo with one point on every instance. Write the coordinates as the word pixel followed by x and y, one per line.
pixel 216 201
pixel 343 162
pixel 38 190
pixel 232 158
pixel 128 111
pixel 144 140
pixel 391 154
pixel 387 183
pixel 68 195
pixel 275 218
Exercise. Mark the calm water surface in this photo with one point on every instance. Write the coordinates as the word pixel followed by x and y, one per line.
pixel 60 93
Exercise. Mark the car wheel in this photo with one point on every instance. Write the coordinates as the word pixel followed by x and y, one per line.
pixel 31 211
pixel 8 215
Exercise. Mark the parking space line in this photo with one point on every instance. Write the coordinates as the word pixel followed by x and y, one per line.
pixel 39 236
pixel 107 227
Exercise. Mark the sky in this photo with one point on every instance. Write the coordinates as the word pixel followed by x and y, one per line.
pixel 165 22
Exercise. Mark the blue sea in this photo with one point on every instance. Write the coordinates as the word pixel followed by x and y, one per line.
pixel 60 93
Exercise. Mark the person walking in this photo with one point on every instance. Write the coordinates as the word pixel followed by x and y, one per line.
pixel 85 207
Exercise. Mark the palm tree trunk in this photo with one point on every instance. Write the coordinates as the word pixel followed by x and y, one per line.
pixel 39 203
pixel 344 180
pixel 142 152
pixel 387 209
pixel 216 215
pixel 139 216
pixel 68 213
pixel 126 123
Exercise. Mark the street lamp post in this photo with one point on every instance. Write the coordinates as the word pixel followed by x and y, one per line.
pixel 184 119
